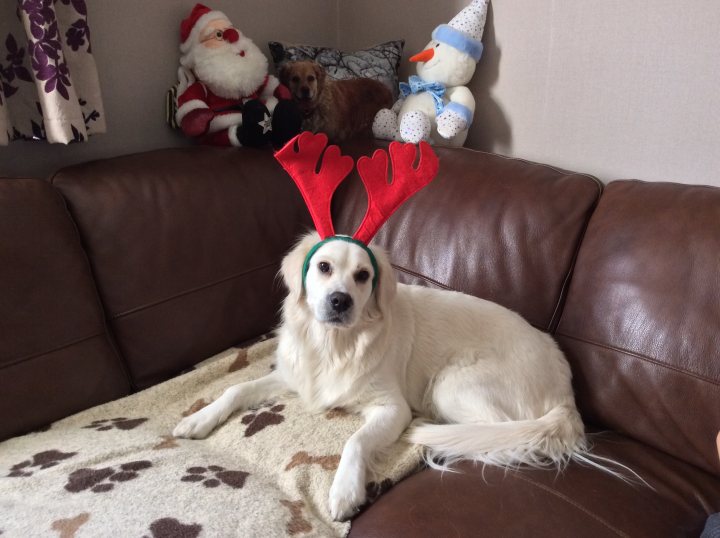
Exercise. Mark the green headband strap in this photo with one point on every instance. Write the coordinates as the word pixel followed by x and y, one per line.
pixel 373 261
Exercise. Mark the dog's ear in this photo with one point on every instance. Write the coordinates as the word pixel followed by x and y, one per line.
pixel 292 264
pixel 284 73
pixel 386 283
pixel 319 74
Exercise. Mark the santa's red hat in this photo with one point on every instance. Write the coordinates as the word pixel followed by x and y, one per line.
pixel 191 26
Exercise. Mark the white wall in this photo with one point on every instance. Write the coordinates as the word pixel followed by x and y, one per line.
pixel 616 88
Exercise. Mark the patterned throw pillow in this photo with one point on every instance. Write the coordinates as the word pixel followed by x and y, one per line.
pixel 380 62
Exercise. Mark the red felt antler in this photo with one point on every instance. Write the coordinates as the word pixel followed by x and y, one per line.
pixel 383 197
pixel 317 188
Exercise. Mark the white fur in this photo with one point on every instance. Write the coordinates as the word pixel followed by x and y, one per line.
pixel 497 390
pixel 224 71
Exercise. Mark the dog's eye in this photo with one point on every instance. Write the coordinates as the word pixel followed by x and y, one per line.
pixel 296 79
pixel 362 276
pixel 324 267
pixel 311 78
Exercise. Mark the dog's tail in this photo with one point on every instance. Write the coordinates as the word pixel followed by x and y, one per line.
pixel 552 440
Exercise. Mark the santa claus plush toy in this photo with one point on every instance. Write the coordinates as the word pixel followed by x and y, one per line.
pixel 226 96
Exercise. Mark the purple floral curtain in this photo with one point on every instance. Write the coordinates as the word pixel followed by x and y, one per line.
pixel 49 87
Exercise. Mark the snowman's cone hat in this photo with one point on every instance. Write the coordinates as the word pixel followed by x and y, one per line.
pixel 465 30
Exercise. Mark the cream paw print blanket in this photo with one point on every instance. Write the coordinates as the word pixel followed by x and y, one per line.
pixel 115 470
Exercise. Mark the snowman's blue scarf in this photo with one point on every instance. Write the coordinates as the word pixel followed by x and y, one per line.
pixel 417 85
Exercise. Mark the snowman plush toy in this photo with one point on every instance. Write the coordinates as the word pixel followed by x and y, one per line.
pixel 436 106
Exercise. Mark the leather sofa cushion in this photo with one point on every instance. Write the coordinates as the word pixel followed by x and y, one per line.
pixel 502 229
pixel 641 326
pixel 55 354
pixel 579 501
pixel 185 245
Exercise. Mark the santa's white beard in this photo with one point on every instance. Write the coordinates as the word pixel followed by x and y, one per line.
pixel 225 72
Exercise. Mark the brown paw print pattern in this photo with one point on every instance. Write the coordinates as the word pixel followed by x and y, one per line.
pixel 41 429
pixel 169 527
pixel 196 406
pixel 240 362
pixel 373 490
pixel 297 524
pixel 68 527
pixel 336 412
pixel 168 441
pixel 258 419
pixel 329 463
pixel 214 475
pixel 119 423
pixel 41 460
pixel 104 479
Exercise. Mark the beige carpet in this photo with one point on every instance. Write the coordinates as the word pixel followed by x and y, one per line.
pixel 115 470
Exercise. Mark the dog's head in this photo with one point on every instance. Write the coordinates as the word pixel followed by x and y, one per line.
pixel 304 79
pixel 338 290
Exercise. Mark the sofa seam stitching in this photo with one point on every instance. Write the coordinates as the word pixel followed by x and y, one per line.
pixel 565 287
pixel 109 335
pixel 445 286
pixel 563 172
pixel 572 503
pixel 426 278
pixel 16 361
pixel 140 308
pixel 643 357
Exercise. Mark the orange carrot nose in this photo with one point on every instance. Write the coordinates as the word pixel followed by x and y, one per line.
pixel 423 56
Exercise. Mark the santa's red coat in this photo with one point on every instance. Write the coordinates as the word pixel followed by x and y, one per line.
pixel 213 119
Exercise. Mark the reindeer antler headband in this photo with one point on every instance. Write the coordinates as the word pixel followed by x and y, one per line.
pixel 318 181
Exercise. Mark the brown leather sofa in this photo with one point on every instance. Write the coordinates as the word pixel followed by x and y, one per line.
pixel 118 274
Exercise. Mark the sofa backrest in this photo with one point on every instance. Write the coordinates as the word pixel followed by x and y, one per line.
pixel 506 230
pixel 641 325
pixel 55 354
pixel 185 245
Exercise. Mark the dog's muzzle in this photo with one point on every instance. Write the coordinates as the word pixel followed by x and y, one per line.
pixel 337 309
pixel 340 302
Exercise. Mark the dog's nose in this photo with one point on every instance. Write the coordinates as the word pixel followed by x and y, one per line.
pixel 339 301
pixel 305 91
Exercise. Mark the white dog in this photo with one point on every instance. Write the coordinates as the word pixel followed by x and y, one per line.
pixel 498 388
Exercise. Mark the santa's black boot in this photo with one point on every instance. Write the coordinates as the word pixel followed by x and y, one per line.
pixel 256 125
pixel 286 122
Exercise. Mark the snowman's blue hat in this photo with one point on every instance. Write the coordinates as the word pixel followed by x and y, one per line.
pixel 458 40
pixel 465 30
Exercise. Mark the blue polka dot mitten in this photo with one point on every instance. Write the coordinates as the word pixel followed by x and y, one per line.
pixel 450 123
pixel 385 125
pixel 414 127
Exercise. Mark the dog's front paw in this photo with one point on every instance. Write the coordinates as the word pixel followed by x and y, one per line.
pixel 198 425
pixel 347 494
